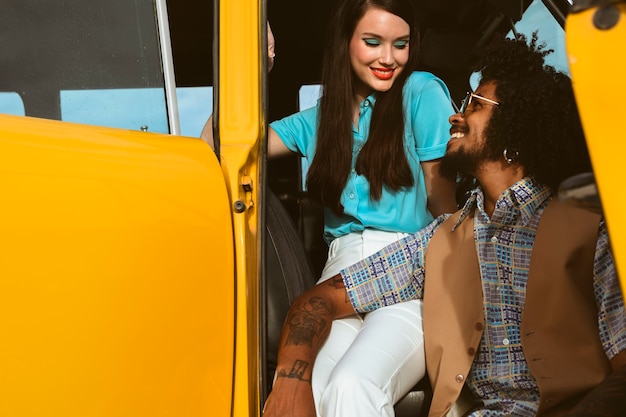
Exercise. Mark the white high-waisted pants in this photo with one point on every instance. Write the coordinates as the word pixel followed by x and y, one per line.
pixel 370 361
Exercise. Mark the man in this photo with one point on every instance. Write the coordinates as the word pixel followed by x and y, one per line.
pixel 522 305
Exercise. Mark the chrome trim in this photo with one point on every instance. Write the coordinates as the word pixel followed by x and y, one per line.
pixel 168 66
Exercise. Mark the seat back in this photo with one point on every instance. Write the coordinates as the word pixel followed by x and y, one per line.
pixel 287 270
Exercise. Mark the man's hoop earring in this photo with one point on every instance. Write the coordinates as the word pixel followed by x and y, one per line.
pixel 512 158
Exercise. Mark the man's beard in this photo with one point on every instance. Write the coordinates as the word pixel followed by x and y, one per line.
pixel 458 163
pixel 461 162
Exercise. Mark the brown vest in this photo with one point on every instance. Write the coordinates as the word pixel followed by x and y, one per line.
pixel 559 323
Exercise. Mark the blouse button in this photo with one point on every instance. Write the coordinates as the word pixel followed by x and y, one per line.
pixel 494 239
pixel 505 342
pixel 459 378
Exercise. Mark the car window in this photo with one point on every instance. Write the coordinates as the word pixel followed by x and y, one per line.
pixel 537 17
pixel 11 103
pixel 84 61
pixel 195 105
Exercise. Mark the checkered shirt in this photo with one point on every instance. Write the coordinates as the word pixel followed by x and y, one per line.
pixel 500 375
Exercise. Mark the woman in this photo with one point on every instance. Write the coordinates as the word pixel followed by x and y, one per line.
pixel 373 144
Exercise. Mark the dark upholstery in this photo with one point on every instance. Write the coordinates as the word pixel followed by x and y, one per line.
pixel 287 270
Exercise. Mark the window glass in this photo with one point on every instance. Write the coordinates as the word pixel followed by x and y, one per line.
pixel 11 103
pixel 89 61
pixel 132 108
pixel 308 95
pixel 195 105
pixel 538 18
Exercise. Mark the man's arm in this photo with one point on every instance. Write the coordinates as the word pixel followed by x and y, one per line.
pixel 305 330
pixel 609 397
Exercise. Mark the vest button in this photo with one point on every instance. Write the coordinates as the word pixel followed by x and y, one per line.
pixel 479 326
pixel 459 378
pixel 471 351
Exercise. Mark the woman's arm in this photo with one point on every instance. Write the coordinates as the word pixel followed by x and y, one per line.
pixel 275 146
pixel 305 330
pixel 441 191
pixel 207 132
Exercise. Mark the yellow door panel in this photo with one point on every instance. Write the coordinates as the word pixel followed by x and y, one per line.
pixel 117 295
pixel 595 41
pixel 242 133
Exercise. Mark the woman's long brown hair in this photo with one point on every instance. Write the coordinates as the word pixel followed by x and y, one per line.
pixel 382 159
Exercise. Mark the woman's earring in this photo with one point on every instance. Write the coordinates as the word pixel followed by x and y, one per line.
pixel 510 158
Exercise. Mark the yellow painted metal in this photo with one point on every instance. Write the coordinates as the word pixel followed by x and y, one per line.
pixel 117 261
pixel 242 129
pixel 597 61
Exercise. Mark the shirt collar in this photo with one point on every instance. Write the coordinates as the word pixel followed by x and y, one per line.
pixel 368 101
pixel 526 195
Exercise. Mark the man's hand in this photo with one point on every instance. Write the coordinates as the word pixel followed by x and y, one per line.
pixel 291 394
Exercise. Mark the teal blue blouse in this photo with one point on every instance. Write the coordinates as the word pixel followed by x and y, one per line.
pixel 427 107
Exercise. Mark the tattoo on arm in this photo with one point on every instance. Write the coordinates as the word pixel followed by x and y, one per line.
pixel 337 283
pixel 313 317
pixel 308 321
pixel 296 372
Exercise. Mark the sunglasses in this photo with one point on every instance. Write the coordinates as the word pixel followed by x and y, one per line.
pixel 467 101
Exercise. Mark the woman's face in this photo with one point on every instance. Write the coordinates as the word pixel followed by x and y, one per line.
pixel 379 50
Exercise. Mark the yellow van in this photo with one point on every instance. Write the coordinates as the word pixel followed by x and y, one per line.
pixel 143 274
